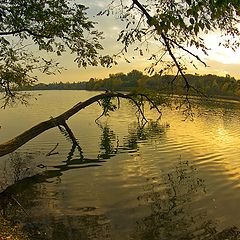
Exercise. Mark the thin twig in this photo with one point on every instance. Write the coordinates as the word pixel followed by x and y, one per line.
pixel 52 151
pixel 165 39
pixel 153 104
pixel 18 203
pixel 186 50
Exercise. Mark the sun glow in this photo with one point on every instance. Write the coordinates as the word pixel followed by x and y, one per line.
pixel 221 135
pixel 220 53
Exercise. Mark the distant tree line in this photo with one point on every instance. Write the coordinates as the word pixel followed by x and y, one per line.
pixel 59 86
pixel 209 84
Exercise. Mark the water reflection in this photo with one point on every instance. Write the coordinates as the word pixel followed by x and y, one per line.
pixel 20 199
pixel 23 170
pixel 70 227
pixel 172 217
pixel 109 142
pixel 138 134
pixel 165 207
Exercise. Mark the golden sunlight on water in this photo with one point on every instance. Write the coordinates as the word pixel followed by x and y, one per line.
pixel 130 181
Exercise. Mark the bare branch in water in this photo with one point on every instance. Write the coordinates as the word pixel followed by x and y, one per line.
pixel 15 143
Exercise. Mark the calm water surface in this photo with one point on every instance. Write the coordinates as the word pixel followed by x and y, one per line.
pixel 171 179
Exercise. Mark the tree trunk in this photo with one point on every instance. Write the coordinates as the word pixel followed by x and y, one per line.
pixel 15 143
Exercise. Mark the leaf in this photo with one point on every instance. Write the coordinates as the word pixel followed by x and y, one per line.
pixel 128 24
pixel 189 12
pixel 201 24
pixel 152 21
pixel 127 60
pixel 196 29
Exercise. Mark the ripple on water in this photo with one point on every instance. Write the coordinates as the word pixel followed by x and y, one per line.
pixel 157 174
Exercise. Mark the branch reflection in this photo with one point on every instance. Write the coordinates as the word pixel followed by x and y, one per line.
pixel 171 200
pixel 18 200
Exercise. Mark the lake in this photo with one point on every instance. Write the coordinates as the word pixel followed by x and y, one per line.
pixel 169 179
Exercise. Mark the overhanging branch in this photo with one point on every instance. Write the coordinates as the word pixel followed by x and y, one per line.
pixel 24 30
pixel 166 41
pixel 189 52
pixel 15 143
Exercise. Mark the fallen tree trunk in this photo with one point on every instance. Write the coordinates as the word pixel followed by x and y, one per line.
pixel 15 143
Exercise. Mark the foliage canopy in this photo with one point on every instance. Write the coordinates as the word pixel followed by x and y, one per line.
pixel 176 26
pixel 51 26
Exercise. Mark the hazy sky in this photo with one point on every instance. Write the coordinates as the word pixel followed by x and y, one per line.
pixel 220 61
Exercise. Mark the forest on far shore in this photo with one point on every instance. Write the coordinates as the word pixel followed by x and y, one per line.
pixel 211 85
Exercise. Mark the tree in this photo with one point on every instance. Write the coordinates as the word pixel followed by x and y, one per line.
pixel 175 26
pixel 51 26
pixel 60 121
pixel 58 26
